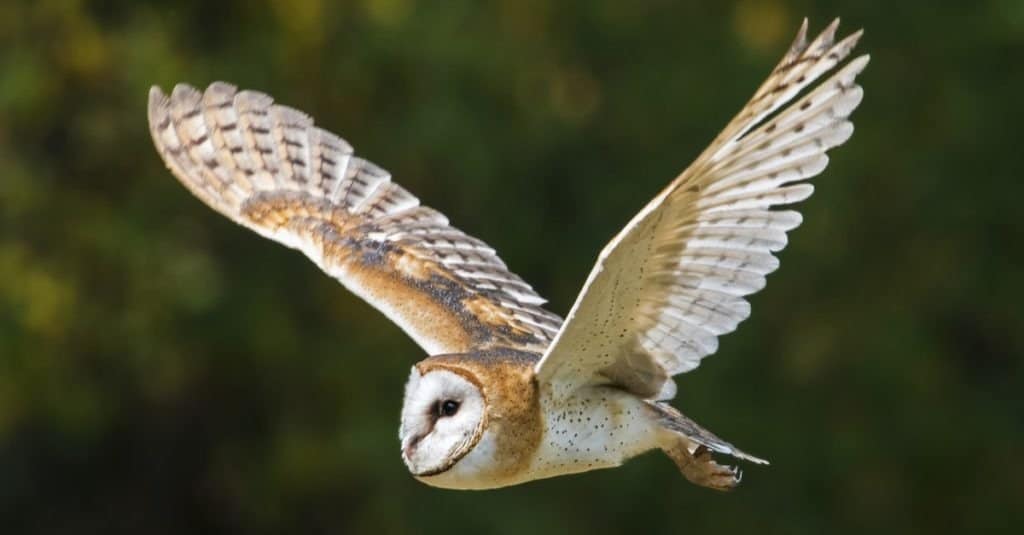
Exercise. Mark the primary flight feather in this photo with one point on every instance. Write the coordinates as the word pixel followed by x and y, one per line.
pixel 511 393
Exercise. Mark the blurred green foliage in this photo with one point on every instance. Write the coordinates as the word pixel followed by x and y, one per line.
pixel 165 371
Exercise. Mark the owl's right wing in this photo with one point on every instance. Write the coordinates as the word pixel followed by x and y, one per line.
pixel 267 167
pixel 674 280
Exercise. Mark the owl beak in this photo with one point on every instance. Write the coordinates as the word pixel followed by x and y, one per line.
pixel 410 445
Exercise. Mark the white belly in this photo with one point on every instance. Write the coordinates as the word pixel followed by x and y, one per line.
pixel 596 428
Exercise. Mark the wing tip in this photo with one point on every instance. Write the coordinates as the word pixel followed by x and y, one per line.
pixel 222 87
pixel 824 40
pixel 157 105
pixel 185 93
pixel 292 117
pixel 829 33
pixel 249 99
pixel 856 36
pixel 860 62
pixel 801 35
pixel 801 44
pixel 156 94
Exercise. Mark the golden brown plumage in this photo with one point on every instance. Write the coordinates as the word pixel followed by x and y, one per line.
pixel 512 394
pixel 513 415
pixel 268 168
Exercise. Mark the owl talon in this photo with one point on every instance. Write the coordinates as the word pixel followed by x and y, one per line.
pixel 699 467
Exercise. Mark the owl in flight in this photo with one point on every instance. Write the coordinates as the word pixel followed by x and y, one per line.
pixel 511 392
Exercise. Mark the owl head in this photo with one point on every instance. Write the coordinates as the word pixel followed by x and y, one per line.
pixel 443 418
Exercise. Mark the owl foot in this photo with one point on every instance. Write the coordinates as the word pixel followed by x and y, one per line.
pixel 700 468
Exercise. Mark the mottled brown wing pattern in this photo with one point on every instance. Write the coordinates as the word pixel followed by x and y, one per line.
pixel 267 167
pixel 675 278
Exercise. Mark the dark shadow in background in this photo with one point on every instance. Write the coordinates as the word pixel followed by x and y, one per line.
pixel 164 371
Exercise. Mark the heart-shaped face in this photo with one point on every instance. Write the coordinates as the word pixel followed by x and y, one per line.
pixel 442 420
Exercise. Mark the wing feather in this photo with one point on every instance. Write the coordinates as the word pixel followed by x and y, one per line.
pixel 674 280
pixel 267 167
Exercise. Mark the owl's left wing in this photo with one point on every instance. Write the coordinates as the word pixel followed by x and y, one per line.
pixel 267 167
pixel 675 278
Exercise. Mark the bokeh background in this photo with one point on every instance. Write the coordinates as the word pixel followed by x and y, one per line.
pixel 165 371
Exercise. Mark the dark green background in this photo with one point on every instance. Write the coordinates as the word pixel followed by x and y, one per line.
pixel 165 371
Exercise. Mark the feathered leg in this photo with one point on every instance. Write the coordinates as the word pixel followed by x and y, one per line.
pixel 700 468
pixel 690 446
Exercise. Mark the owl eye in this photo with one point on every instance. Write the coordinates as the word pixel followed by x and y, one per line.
pixel 448 407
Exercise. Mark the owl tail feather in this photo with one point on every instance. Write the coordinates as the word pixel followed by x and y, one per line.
pixel 690 446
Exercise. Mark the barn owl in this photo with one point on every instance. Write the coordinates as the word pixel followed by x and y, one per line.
pixel 510 392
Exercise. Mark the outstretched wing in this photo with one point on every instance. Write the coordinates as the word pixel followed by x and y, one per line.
pixel 675 278
pixel 268 168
